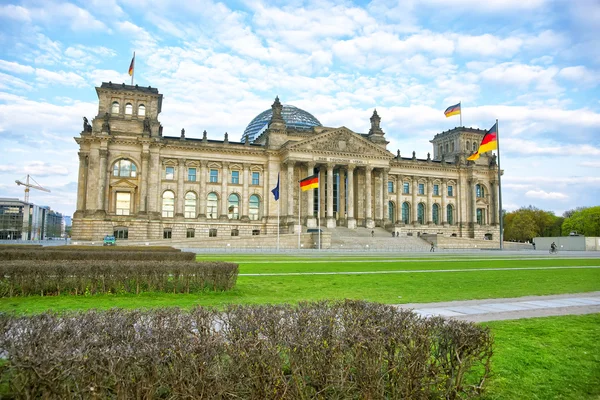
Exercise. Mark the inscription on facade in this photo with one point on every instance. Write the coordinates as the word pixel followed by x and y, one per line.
pixel 339 160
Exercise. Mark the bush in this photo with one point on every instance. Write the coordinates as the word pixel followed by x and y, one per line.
pixel 25 278
pixel 339 350
pixel 38 254
pixel 111 248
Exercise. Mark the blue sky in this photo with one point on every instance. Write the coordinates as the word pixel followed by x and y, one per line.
pixel 533 64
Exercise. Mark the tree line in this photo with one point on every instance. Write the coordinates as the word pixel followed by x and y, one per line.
pixel 528 222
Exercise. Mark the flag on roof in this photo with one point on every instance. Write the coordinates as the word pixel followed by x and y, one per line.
pixel 132 65
pixel 452 110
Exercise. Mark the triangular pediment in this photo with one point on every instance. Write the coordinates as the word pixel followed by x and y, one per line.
pixel 342 141
pixel 124 183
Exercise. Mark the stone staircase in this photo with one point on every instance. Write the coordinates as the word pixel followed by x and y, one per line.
pixel 376 239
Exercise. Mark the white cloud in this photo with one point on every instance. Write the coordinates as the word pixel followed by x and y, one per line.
pixel 580 75
pixel 540 194
pixel 15 67
pixel 15 12
pixel 63 78
pixel 591 164
pixel 36 168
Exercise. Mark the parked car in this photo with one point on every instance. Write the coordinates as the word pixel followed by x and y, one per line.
pixel 109 241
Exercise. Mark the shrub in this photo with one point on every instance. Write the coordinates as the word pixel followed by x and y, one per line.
pixel 341 350
pixel 38 254
pixel 111 248
pixel 25 278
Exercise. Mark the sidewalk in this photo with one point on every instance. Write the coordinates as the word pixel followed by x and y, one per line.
pixel 511 308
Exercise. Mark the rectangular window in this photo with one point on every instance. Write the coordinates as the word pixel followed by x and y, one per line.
pixel 480 216
pixel 421 188
pixel 167 233
pixel 390 187
pixel 214 176
pixel 450 191
pixel 436 190
pixel 406 188
pixel 191 232
pixel 212 232
pixel 121 233
pixel 256 178
pixel 170 173
pixel 235 177
pixel 192 174
pixel 123 203
pixel 255 232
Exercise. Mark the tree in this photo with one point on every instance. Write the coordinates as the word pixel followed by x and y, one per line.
pixel 528 222
pixel 585 221
pixel 521 227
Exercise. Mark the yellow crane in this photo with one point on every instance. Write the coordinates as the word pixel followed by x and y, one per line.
pixel 30 185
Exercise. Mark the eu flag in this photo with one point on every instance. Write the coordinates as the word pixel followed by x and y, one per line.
pixel 276 190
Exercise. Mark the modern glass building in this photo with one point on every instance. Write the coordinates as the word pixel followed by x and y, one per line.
pixel 294 117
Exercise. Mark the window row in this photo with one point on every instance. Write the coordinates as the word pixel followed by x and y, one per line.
pixel 127 169
pixel 116 109
pixel 420 189
pixel 123 233
pixel 212 206
pixel 446 148
pixel 406 215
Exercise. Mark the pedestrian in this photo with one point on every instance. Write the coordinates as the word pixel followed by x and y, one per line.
pixel 533 243
pixel 372 233
pixel 393 234
pixel 432 250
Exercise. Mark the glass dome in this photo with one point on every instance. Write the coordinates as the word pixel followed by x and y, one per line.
pixel 294 118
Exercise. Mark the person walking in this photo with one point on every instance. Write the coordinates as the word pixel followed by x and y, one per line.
pixel 432 250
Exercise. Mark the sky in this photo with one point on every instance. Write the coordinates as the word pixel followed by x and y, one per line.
pixel 532 64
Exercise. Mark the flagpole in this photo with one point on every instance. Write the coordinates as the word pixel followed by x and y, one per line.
pixel 460 105
pixel 278 225
pixel 299 211
pixel 500 188
pixel 133 71
pixel 319 209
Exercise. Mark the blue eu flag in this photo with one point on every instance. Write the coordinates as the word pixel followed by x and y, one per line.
pixel 276 190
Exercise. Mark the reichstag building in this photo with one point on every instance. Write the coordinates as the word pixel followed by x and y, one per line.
pixel 140 185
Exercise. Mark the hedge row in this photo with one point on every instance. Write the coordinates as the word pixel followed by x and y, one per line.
pixel 25 278
pixel 325 350
pixel 20 254
pixel 112 248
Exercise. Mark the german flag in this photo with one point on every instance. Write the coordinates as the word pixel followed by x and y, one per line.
pixel 132 65
pixel 488 143
pixel 452 110
pixel 310 182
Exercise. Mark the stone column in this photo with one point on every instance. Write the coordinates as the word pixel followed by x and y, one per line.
pixel 342 195
pixel 385 195
pixel 429 211
pixel 311 221
pixel 444 211
pixel 399 188
pixel 180 194
pixel 330 218
pixel 369 204
pixel 245 193
pixel 351 218
pixel 202 190
pixel 224 191
pixel 414 208
pixel 102 180
pixel 82 181
pixel 143 204
pixel 155 185
pixel 290 191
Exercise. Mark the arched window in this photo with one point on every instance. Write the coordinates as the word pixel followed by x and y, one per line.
pixel 254 208
pixel 450 214
pixel 452 147
pixel 446 147
pixel 141 110
pixel 474 146
pixel 125 169
pixel 212 204
pixel 435 214
pixel 128 109
pixel 115 107
pixel 421 213
pixel 480 191
pixel 168 204
pixel 190 205
pixel 405 212
pixel 233 206
pixel 391 211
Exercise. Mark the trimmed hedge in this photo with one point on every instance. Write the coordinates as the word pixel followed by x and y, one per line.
pixel 325 350
pixel 112 248
pixel 25 278
pixel 19 254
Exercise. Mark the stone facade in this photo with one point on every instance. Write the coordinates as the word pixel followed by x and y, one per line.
pixel 141 185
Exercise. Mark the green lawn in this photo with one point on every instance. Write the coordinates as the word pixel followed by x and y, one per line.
pixel 546 358
pixel 392 288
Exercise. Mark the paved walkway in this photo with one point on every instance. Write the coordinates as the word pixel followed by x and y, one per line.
pixel 513 308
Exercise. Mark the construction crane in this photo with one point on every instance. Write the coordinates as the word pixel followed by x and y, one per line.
pixel 29 185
